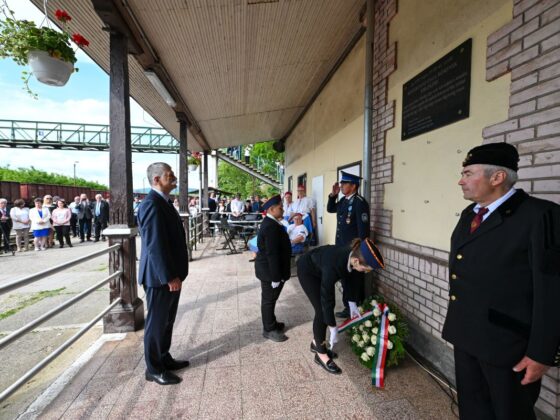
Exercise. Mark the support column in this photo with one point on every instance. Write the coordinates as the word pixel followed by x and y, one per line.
pixel 129 316
pixel 368 103
pixel 204 187
pixel 183 169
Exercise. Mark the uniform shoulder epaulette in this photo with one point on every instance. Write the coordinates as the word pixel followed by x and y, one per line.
pixel 360 197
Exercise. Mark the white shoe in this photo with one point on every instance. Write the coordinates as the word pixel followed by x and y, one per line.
pixel 37 249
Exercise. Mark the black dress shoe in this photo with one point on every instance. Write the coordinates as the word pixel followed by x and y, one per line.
pixel 176 364
pixel 280 326
pixel 274 335
pixel 330 353
pixel 164 378
pixel 330 366
pixel 343 314
pixel 81 240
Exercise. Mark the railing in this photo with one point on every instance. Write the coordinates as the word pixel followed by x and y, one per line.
pixel 273 169
pixel 55 311
pixel 195 228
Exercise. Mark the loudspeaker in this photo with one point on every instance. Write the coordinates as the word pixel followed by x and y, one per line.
pixel 279 146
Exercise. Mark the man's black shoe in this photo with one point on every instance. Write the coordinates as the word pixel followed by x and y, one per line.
pixel 81 240
pixel 95 240
pixel 330 353
pixel 280 326
pixel 345 313
pixel 176 364
pixel 164 378
pixel 330 366
pixel 274 335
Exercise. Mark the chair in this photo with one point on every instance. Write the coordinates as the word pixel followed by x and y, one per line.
pixel 228 236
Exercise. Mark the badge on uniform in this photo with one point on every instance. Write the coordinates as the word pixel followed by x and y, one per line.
pixel 365 217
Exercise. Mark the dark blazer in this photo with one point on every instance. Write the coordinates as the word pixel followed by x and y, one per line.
pixel 328 264
pixel 103 212
pixel 84 211
pixel 352 218
pixel 164 248
pixel 8 223
pixel 272 263
pixel 505 283
pixel 212 205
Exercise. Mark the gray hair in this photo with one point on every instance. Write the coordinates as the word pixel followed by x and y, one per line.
pixel 157 169
pixel 511 175
pixel 3 200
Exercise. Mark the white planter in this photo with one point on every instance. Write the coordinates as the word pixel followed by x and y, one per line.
pixel 192 168
pixel 49 70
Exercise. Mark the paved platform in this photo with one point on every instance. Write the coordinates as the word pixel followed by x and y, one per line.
pixel 235 373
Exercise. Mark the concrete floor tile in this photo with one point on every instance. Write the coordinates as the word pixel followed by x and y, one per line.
pixel 93 412
pixel 434 407
pixel 258 375
pixel 398 409
pixel 302 398
pixel 292 372
pixel 222 380
pixel 226 406
pixel 263 403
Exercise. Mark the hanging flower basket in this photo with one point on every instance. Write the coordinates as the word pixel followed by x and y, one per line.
pixel 49 70
pixel 192 168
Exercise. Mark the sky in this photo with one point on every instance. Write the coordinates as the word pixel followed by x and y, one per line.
pixel 84 99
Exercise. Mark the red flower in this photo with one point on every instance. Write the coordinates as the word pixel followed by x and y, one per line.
pixel 79 40
pixel 62 16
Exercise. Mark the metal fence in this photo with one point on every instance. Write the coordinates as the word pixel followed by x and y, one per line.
pixel 195 228
pixel 5 341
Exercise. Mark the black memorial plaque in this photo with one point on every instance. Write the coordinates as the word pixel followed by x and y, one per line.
pixel 439 95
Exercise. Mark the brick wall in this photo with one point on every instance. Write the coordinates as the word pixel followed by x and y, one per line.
pixel 416 276
pixel 529 48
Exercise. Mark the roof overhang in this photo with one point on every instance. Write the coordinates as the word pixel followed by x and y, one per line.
pixel 238 71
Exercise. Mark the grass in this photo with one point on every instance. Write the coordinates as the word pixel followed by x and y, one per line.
pixel 34 298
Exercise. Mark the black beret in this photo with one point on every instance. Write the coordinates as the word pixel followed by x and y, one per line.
pixel 498 154
pixel 272 201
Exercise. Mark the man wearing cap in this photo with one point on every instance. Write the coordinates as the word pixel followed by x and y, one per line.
pixel 272 266
pixel 504 275
pixel 352 214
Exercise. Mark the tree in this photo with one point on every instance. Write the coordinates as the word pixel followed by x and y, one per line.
pixel 263 157
pixel 36 176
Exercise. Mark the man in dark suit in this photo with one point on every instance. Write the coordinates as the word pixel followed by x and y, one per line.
pixel 163 267
pixel 272 266
pixel 85 215
pixel 5 225
pixel 212 204
pixel 352 215
pixel 504 274
pixel 100 216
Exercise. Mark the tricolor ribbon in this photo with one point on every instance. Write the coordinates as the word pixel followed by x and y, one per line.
pixel 354 321
pixel 378 368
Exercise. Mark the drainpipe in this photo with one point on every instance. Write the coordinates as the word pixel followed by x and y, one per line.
pixel 368 103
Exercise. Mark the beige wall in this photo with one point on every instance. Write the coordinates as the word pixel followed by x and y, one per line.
pixel 331 133
pixel 424 196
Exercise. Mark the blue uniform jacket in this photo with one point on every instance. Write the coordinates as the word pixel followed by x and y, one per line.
pixel 164 248
pixel 352 218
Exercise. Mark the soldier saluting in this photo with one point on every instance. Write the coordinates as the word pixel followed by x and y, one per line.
pixel 352 214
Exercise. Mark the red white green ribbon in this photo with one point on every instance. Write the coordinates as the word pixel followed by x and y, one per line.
pixel 354 321
pixel 378 368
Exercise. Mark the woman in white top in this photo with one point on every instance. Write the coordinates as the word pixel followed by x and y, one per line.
pixel 20 217
pixel 61 220
pixel 40 224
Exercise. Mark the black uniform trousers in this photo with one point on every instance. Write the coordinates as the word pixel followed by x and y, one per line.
pixel 353 288
pixel 489 392
pixel 5 236
pixel 269 296
pixel 63 233
pixel 74 224
pixel 99 227
pixel 311 285
pixel 162 310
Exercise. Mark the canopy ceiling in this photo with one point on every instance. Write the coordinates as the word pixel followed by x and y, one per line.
pixel 242 70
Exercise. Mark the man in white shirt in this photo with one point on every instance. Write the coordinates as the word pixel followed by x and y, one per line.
pixel 297 230
pixel 237 206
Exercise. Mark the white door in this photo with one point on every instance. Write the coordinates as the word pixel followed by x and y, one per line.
pixel 317 194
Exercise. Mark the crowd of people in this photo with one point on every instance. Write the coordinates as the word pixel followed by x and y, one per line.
pixel 50 220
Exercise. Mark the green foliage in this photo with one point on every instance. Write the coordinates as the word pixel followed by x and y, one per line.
pixel 394 355
pixel 36 176
pixel 263 157
pixel 34 298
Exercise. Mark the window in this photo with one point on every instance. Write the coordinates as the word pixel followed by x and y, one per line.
pixel 302 180
pixel 291 183
pixel 352 168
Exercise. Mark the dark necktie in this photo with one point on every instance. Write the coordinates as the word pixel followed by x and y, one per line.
pixel 478 218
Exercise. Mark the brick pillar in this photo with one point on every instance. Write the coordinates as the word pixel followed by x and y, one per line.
pixel 529 48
